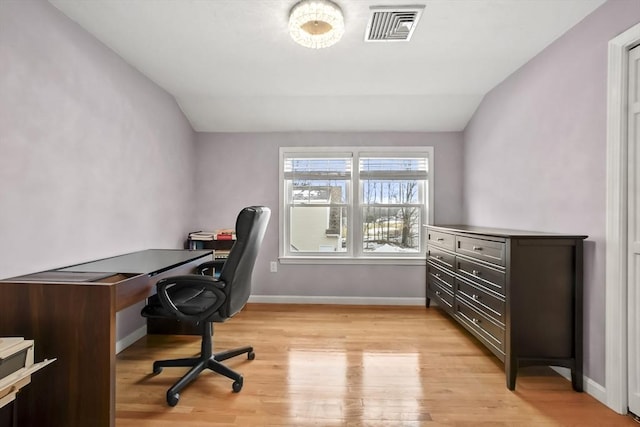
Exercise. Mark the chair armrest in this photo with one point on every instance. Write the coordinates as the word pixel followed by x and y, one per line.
pixel 192 281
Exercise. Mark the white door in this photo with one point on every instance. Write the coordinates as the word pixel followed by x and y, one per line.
pixel 633 309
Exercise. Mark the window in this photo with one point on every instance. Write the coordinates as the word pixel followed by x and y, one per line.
pixel 342 203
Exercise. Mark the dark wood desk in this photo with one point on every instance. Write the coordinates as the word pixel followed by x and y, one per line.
pixel 70 312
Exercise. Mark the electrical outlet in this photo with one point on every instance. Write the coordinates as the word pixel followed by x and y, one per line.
pixel 274 266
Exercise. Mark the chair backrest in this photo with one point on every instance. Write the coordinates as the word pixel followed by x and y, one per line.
pixel 237 270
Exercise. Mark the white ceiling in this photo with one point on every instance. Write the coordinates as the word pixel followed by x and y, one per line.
pixel 232 66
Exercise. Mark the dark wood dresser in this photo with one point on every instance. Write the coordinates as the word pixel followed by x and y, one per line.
pixel 518 292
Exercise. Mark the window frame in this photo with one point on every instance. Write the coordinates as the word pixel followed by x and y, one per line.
pixel 355 253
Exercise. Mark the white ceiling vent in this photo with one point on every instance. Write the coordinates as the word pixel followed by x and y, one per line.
pixel 392 23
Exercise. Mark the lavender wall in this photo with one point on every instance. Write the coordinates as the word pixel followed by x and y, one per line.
pixel 235 170
pixel 535 153
pixel 95 159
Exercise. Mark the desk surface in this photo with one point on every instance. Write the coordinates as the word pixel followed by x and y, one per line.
pixel 151 262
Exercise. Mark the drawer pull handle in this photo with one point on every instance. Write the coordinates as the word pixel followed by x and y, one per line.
pixel 476 272
pixel 440 239
pixel 438 256
pixel 477 248
pixel 437 275
pixel 475 297
pixel 438 293
pixel 475 321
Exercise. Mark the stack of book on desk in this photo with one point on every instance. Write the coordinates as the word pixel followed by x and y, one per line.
pixel 209 239
pixel 221 234
pixel 197 239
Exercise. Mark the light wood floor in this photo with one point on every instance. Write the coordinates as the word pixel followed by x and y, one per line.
pixel 347 366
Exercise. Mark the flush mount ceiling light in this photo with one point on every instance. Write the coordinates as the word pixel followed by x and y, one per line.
pixel 316 23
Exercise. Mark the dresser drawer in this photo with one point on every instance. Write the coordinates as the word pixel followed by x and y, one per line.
pixel 485 302
pixel 445 240
pixel 443 296
pixel 443 277
pixel 486 250
pixel 441 257
pixel 489 331
pixel 482 275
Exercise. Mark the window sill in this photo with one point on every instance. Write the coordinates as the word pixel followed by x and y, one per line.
pixel 353 261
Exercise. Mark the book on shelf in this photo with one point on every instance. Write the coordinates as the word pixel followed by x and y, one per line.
pixel 225 234
pixel 221 254
pixel 202 235
pixel 225 237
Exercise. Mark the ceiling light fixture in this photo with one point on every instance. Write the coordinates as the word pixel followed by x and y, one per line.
pixel 316 24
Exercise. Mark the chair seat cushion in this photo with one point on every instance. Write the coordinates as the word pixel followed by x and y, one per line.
pixel 187 300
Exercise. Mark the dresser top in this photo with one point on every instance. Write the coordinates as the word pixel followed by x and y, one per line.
pixel 501 232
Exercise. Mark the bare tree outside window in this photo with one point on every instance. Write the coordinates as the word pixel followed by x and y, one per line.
pixel 391 217
pixel 392 204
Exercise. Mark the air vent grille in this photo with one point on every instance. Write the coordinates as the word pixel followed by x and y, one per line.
pixel 392 23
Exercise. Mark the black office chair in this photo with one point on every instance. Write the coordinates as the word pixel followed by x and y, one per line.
pixel 202 299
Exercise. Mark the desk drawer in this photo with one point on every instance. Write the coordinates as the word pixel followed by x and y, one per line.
pixel 444 240
pixel 482 275
pixel 483 301
pixel 485 250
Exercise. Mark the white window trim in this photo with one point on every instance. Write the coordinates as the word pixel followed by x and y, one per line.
pixel 351 258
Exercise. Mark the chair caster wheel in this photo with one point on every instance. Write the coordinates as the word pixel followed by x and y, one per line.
pixel 172 399
pixel 156 369
pixel 237 385
pixel 251 355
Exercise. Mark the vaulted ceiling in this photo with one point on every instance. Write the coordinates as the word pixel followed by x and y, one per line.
pixel 232 66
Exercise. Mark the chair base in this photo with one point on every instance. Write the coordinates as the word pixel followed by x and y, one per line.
pixel 206 360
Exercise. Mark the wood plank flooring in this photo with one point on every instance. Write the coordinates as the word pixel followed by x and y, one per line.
pixel 328 365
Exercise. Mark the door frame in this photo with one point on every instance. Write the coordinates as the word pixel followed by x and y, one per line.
pixel 617 286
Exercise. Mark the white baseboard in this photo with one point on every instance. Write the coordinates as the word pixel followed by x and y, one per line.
pixel 131 338
pixel 292 299
pixel 591 387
